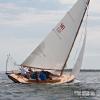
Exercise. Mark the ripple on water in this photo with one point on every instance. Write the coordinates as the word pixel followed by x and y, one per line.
pixel 13 91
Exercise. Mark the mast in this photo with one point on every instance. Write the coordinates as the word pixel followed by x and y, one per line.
pixel 74 40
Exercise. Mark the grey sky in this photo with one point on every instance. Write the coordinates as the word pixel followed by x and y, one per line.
pixel 24 23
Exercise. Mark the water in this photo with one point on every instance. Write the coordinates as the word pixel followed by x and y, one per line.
pixel 14 91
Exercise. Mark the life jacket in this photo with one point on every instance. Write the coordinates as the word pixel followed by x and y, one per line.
pixel 42 75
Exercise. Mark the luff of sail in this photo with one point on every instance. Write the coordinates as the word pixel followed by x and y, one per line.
pixel 87 3
pixel 53 51
pixel 78 64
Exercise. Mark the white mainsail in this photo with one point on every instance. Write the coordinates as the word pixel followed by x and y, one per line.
pixel 78 64
pixel 53 51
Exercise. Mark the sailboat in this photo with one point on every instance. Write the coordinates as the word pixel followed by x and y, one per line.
pixel 52 54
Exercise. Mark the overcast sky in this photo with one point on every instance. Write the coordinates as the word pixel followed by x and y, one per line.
pixel 24 23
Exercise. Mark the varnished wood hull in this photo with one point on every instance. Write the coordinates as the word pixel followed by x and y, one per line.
pixel 18 78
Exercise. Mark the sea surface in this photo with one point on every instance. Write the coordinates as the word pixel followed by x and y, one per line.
pixel 14 91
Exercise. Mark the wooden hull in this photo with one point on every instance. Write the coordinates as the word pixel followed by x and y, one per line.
pixel 18 78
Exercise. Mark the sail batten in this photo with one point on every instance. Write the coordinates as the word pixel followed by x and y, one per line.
pixel 53 51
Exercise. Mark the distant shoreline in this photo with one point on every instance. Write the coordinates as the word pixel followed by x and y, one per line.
pixel 82 70
pixel 86 70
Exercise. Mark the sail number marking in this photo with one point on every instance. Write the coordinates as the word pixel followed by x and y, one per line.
pixel 60 28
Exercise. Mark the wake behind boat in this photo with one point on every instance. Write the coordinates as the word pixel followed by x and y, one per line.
pixel 48 61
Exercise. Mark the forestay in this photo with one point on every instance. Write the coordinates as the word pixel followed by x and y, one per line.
pixel 53 51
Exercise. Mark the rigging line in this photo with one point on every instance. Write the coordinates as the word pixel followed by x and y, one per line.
pixel 7 62
pixel 12 60
pixel 63 67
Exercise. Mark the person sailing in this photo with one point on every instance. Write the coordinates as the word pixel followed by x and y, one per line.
pixel 45 75
pixel 24 72
pixel 33 74
pixel 42 75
